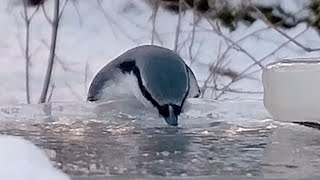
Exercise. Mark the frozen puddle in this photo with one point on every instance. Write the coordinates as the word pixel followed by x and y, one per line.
pixel 214 138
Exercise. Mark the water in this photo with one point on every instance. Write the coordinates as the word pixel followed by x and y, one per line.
pixel 225 138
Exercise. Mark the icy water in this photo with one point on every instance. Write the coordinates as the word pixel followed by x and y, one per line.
pixel 223 139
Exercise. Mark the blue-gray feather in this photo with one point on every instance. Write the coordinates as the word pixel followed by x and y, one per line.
pixel 162 76
pixel 165 75
pixel 156 64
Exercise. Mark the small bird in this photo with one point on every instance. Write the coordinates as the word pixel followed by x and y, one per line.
pixel 156 76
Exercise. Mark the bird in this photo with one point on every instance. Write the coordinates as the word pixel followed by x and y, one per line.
pixel 155 75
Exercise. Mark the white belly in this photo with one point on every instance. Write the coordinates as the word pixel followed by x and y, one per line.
pixel 125 88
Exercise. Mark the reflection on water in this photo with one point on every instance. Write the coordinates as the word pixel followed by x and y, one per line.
pixel 214 138
pixel 93 148
pixel 293 152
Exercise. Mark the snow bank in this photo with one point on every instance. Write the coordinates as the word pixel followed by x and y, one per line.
pixel 21 160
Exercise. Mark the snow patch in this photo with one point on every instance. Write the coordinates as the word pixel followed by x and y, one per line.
pixel 21 160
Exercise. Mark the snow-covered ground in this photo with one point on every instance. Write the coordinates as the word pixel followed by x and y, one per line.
pixel 95 35
pixel 20 160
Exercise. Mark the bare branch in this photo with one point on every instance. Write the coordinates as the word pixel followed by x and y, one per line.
pixel 265 19
pixel 46 14
pixel 27 55
pixel 78 12
pixel 34 12
pixel 178 27
pixel 55 26
pixel 59 60
pixel 211 75
pixel 193 34
pixel 272 53
pixel 62 9
pixel 276 50
pixel 218 31
pixel 243 73
pixel 153 17
pixel 114 22
pixel 241 92
pixel 74 93
pixel 51 91
pixel 217 65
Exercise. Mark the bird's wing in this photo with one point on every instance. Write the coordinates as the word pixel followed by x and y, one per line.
pixel 194 90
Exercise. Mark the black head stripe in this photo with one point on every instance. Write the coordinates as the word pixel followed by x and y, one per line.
pixel 127 67
pixel 130 67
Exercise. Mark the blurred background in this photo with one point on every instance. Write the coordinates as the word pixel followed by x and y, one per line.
pixel 51 50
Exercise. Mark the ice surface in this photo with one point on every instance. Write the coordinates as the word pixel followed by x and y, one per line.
pixel 291 90
pixel 21 160
pixel 292 153
pixel 214 138
pixel 125 110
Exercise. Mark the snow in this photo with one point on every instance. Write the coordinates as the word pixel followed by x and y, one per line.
pixel 292 6
pixel 291 91
pixel 21 160
pixel 95 35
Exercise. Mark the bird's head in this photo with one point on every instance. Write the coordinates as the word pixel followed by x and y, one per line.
pixel 170 113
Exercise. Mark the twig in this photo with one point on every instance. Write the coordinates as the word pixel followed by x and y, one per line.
pixel 78 12
pixel 218 64
pixel 51 91
pixel 218 31
pixel 55 26
pixel 63 65
pixel 205 84
pixel 153 17
pixel 114 22
pixel 241 92
pixel 265 19
pixel 277 49
pixel 176 41
pixel 74 93
pixel 62 9
pixel 242 74
pixel 220 59
pixel 46 14
pixel 192 37
pixel 27 55
pixel 244 92
pixel 107 17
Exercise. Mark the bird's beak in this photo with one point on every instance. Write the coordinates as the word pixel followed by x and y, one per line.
pixel 172 119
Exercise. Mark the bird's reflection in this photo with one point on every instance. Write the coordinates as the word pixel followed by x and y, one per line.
pixel 163 151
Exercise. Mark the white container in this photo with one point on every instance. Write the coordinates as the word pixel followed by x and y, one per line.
pixel 292 90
